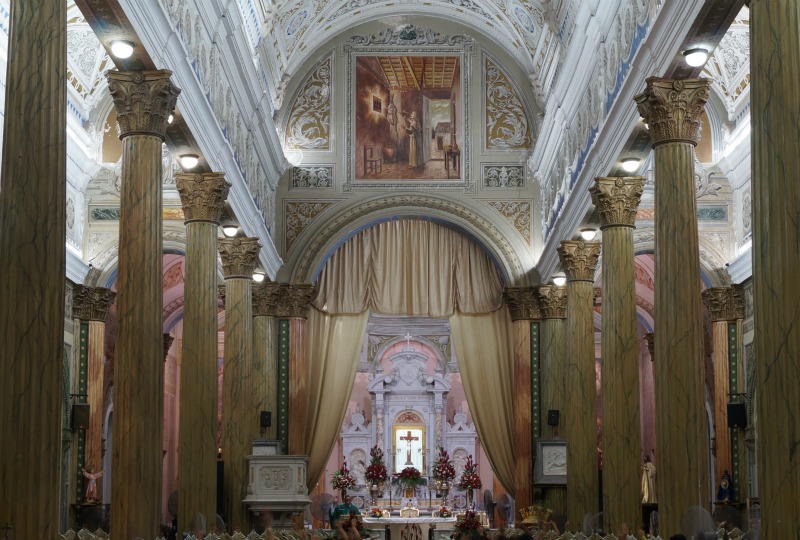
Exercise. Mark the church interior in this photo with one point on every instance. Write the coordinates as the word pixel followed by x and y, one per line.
pixel 266 263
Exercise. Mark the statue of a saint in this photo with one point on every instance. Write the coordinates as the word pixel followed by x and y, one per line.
pixel 648 482
pixel 91 484
pixel 725 491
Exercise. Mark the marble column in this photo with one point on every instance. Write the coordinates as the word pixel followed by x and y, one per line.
pixel 239 420
pixel 579 259
pixel 143 100
pixel 203 197
pixel 616 200
pixel 672 109
pixel 265 358
pixel 33 268
pixel 90 307
pixel 775 109
pixel 553 306
pixel 524 308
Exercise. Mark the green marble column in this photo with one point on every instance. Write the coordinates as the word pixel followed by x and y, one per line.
pixel 33 268
pixel 143 100
pixel 579 259
pixel 672 109
pixel 265 359
pixel 203 197
pixel 617 200
pixel 239 420
pixel 553 305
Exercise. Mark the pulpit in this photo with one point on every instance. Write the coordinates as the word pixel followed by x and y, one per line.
pixel 277 484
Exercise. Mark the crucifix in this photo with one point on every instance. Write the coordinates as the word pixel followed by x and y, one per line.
pixel 408 337
pixel 408 438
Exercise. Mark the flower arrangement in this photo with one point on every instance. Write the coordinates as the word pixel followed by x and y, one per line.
pixel 442 467
pixel 376 472
pixel 468 524
pixel 469 478
pixel 375 512
pixel 410 477
pixel 342 479
pixel 444 512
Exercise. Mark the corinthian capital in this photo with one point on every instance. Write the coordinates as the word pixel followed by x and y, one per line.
pixel 143 100
pixel 672 108
pixel 522 303
pixel 239 256
pixel 202 195
pixel 616 199
pixel 282 300
pixel 724 303
pixel 91 303
pixel 579 259
pixel 553 302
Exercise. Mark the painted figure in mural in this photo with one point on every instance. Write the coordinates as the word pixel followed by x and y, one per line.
pixel 414 131
pixel 648 481
pixel 91 484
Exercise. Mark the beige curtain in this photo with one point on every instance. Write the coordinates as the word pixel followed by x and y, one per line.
pixel 484 348
pixel 334 344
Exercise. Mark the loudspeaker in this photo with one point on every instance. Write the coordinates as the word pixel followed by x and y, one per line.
pixel 552 417
pixel 80 416
pixel 737 415
pixel 266 419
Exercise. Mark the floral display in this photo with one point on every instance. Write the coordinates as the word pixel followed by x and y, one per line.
pixel 469 478
pixel 376 472
pixel 342 479
pixel 444 512
pixel 375 512
pixel 468 524
pixel 410 477
pixel 443 469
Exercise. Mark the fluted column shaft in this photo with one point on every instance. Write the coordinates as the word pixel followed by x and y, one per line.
pixel 239 420
pixel 553 305
pixel 32 266
pixel 672 110
pixel 580 412
pixel 143 100
pixel 265 359
pixel 203 197
pixel 617 200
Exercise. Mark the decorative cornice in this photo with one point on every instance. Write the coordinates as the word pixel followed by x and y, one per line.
pixel 202 195
pixel 579 259
pixel 672 109
pixel 650 338
pixel 91 303
pixel 553 302
pixel 522 302
pixel 239 256
pixel 143 101
pixel 282 300
pixel 617 199
pixel 724 303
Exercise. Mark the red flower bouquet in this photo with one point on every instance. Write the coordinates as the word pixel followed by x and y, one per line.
pixel 469 478
pixel 468 524
pixel 376 472
pixel 443 468
pixel 410 477
pixel 342 479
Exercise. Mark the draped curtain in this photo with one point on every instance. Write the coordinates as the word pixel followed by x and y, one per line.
pixel 416 268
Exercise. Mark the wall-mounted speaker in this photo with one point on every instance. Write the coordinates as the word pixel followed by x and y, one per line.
pixel 552 417
pixel 80 416
pixel 737 415
pixel 266 419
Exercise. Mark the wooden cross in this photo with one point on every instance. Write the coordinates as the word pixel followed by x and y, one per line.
pixel 408 438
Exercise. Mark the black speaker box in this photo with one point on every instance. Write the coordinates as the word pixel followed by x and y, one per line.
pixel 80 416
pixel 737 415
pixel 552 417
pixel 266 419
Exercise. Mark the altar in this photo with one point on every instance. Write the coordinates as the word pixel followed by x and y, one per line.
pixel 410 528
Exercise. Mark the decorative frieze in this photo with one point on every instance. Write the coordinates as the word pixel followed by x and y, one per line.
pixel 507 126
pixel 517 213
pixel 91 303
pixel 673 109
pixel 282 300
pixel 724 303
pixel 202 195
pixel 299 215
pixel 522 302
pixel 553 301
pixel 616 199
pixel 312 177
pixel 503 176
pixel 579 259
pixel 143 101
pixel 308 126
pixel 239 256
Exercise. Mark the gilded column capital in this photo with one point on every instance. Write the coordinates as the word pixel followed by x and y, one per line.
pixel 522 302
pixel 673 108
pixel 650 339
pixel 579 259
pixel 143 101
pixel 202 195
pixel 239 256
pixel 617 199
pixel 282 300
pixel 553 301
pixel 91 303
pixel 724 303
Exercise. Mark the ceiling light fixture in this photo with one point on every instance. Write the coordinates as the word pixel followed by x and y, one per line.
pixel 170 118
pixel 630 164
pixel 259 276
pixel 294 157
pixel 695 57
pixel 122 49
pixel 588 234
pixel 230 230
pixel 559 281
pixel 189 161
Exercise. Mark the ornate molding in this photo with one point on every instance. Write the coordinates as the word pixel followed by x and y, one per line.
pixel 143 101
pixel 617 199
pixel 523 303
pixel 202 195
pixel 282 300
pixel 91 303
pixel 312 177
pixel 239 256
pixel 673 108
pixel 507 126
pixel 517 214
pixel 409 34
pixel 503 176
pixel 724 303
pixel 299 215
pixel 579 259
pixel 308 125
pixel 553 301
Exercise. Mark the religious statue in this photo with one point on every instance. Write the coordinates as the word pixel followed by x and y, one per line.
pixel 347 508
pixel 91 484
pixel 414 130
pixel 648 482
pixel 725 491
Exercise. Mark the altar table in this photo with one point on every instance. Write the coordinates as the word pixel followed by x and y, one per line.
pixel 409 528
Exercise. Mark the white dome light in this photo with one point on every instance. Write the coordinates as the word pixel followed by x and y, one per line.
pixel 630 164
pixel 696 57
pixel 121 49
pixel 559 281
pixel 189 161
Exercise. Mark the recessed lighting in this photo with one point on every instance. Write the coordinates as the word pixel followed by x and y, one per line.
pixel 121 48
pixel 189 161
pixel 230 230
pixel 259 276
pixel 630 164
pixel 170 118
pixel 695 57
pixel 559 281
pixel 588 234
